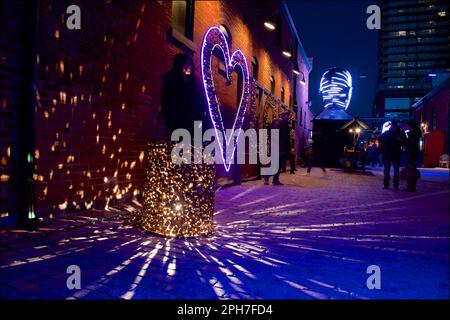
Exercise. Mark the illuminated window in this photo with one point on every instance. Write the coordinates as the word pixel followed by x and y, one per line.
pixel 442 13
pixel 183 17
pixel 397 103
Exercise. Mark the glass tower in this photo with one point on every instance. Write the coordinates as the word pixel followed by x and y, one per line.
pixel 414 54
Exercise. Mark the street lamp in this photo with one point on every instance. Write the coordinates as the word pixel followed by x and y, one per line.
pixel 287 53
pixel 269 25
pixel 297 72
pixel 355 135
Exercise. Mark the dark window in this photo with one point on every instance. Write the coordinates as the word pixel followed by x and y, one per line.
pixel 255 68
pixel 304 119
pixel 272 85
pixel 300 120
pixel 282 94
pixel 183 17
pixel 227 33
pixel 433 118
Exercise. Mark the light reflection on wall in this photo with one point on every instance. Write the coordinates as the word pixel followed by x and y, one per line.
pixel 86 117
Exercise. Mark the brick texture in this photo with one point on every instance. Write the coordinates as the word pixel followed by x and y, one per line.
pixel 99 90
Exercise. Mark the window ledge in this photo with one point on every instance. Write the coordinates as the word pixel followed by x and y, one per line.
pixel 181 38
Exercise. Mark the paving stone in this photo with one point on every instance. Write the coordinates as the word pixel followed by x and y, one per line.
pixel 312 238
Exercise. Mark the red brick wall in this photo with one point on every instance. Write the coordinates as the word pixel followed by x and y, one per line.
pixel 99 100
pixel 98 91
pixel 245 22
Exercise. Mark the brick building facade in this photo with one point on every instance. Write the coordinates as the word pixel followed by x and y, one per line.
pixel 98 89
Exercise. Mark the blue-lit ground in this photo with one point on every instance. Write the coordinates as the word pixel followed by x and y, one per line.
pixel 310 239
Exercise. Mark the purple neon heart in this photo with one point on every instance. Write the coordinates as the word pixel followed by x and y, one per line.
pixel 214 38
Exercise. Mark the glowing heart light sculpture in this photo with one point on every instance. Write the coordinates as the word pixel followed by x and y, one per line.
pixel 214 38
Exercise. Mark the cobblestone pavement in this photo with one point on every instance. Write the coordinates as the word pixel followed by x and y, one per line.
pixel 312 238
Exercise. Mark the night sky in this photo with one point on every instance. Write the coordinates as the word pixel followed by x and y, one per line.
pixel 334 33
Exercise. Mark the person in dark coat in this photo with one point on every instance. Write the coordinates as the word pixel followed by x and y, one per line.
pixel 412 151
pixel 284 145
pixel 182 100
pixel 292 161
pixel 391 147
pixel 315 153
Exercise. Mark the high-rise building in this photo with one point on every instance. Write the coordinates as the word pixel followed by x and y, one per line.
pixel 414 54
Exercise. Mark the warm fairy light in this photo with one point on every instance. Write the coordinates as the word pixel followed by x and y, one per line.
pixel 171 207
pixel 70 159
pixel 63 206
pixel 62 97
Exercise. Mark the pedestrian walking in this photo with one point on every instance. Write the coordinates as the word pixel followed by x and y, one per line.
pixel 315 153
pixel 412 151
pixel 284 146
pixel 391 147
pixel 372 150
pixel 292 161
